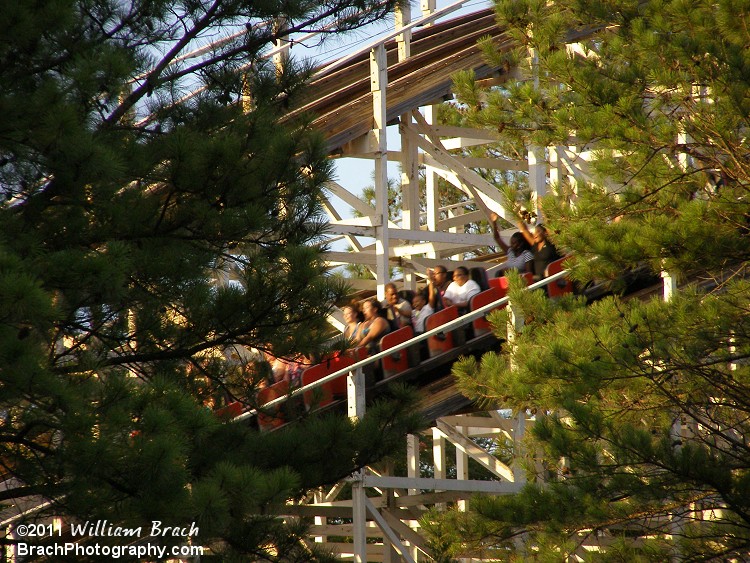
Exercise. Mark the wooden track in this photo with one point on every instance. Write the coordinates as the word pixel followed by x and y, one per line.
pixel 342 102
pixel 439 395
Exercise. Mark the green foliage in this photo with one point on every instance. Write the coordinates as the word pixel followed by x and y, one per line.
pixel 127 205
pixel 640 404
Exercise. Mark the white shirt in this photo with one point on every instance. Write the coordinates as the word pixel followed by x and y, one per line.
pixel 418 318
pixel 462 293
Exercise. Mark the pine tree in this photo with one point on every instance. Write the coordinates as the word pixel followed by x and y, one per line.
pixel 641 404
pixel 128 204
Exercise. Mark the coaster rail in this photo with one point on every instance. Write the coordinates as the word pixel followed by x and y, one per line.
pixel 358 366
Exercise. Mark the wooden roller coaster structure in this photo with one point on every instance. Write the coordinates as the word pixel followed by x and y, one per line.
pixel 399 80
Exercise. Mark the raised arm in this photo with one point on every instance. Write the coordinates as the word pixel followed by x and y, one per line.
pixel 433 295
pixel 526 232
pixel 496 233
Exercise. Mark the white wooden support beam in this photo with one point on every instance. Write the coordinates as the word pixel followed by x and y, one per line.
pixel 338 257
pixel 451 177
pixel 537 175
pixel 388 532
pixel 421 264
pixel 554 169
pixel 486 459
pixel 514 327
pixel 345 530
pixel 378 86
pixel 351 230
pixel 470 217
pixel 363 146
pixel 570 152
pixel 403 40
pixel 462 468
pixel 492 163
pixel 355 391
pixel 389 495
pixel 359 519
pixel 385 501
pixel 428 6
pixel 367 221
pixel 366 257
pixel 684 159
pixel 470 133
pixel 335 319
pixel 670 284
pixel 458 239
pixel 426 483
pixel 428 247
pixel 423 499
pixel 482 426
pixel 485 194
pixel 350 199
pixel 440 153
pixel 333 214
pixel 319 520
pixel 431 180
pixel 409 194
pixel 432 199
pixel 439 460
pixel 412 458
pixel 577 164
pixel 412 470
pixel 462 143
pixel 519 474
pixel 398 526
pixel 438 453
pixel 282 45
pixel 459 228
pixel 334 492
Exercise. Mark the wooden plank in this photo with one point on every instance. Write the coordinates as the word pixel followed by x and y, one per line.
pixel 491 163
pixel 374 550
pixel 349 198
pixel 415 82
pixel 389 533
pixel 410 535
pixel 345 530
pixel 314 510
pixel 495 487
pixel 432 498
pixel 434 42
pixel 468 132
pixel 486 459
pixel 480 422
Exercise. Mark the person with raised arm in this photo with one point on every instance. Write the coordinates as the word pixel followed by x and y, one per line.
pixel 398 309
pixel 437 283
pixel 518 252
pixel 543 250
